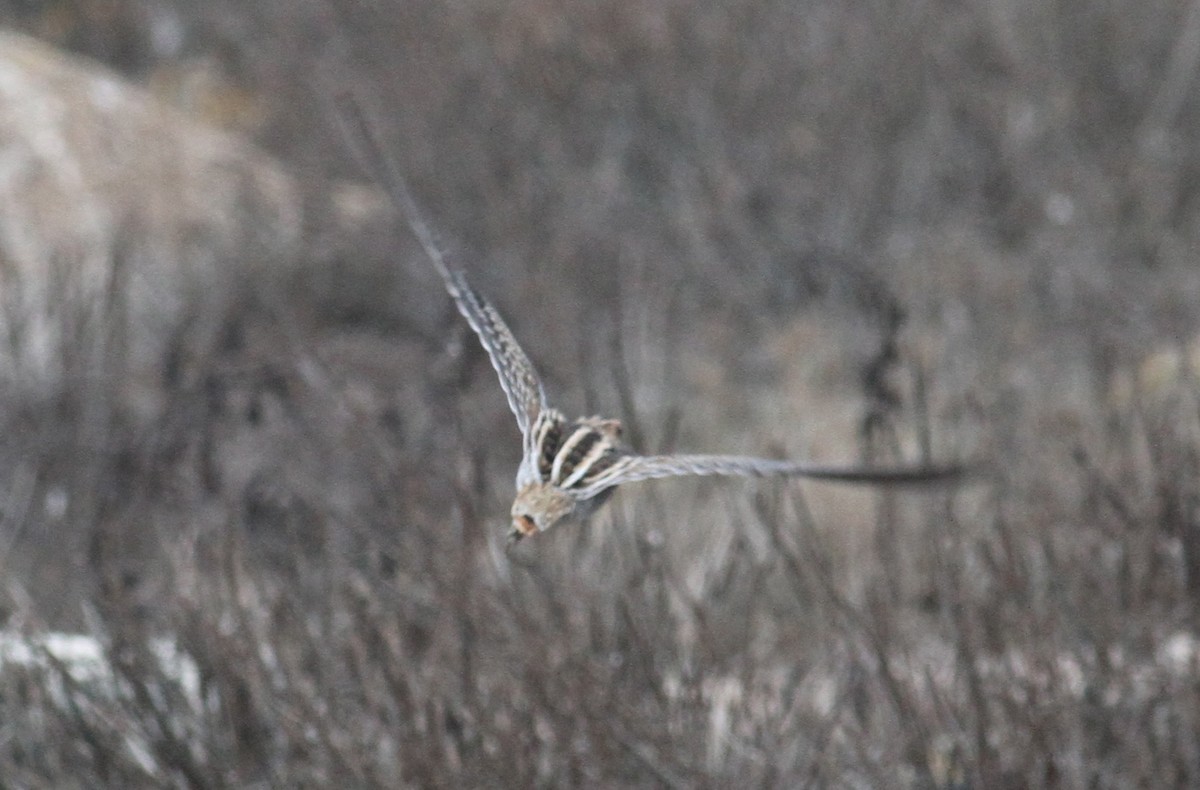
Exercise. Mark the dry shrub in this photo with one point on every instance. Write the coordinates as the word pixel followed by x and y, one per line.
pixel 726 224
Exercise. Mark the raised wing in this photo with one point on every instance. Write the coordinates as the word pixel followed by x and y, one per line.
pixel 517 375
pixel 520 380
pixel 631 468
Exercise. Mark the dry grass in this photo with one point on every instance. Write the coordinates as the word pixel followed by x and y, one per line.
pixel 876 230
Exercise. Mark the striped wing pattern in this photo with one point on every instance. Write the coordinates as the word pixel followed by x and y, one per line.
pixel 631 468
pixel 585 457
pixel 518 377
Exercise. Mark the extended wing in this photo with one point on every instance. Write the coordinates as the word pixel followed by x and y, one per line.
pixel 518 377
pixel 632 468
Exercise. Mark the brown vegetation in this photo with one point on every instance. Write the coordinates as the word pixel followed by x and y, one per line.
pixel 830 229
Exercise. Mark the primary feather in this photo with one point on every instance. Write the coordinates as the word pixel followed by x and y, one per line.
pixel 518 377
pixel 631 468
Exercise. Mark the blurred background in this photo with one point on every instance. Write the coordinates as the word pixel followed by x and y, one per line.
pixel 251 453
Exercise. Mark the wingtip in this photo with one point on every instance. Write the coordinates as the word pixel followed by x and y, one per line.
pixel 955 473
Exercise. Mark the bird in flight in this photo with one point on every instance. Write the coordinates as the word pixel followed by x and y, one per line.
pixel 569 468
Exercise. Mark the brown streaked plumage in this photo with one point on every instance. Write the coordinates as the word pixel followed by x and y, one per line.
pixel 569 468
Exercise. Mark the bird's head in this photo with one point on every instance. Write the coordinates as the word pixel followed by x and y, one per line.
pixel 537 508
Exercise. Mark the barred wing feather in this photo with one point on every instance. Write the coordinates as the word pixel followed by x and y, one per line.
pixel 632 468
pixel 518 377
